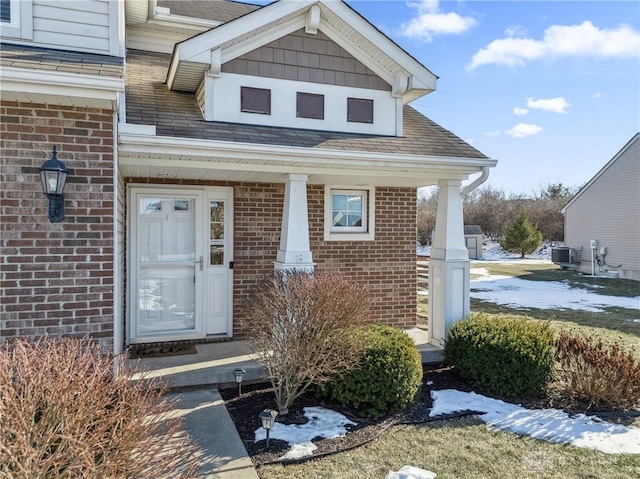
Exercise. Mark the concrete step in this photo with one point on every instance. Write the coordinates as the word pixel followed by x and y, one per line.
pixel 214 363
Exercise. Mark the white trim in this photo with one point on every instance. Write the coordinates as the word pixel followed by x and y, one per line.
pixel 21 24
pixel 116 29
pixel 118 320
pixel 214 150
pixel 61 85
pixel 633 139
pixel 368 216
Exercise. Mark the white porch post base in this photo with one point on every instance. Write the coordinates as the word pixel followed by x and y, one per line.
pixel 449 266
pixel 294 251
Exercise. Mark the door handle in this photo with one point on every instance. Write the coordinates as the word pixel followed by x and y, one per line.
pixel 200 262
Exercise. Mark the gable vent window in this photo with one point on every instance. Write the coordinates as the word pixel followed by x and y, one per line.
pixel 359 110
pixel 255 100
pixel 5 11
pixel 310 105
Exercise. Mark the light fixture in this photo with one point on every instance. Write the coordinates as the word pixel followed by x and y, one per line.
pixel 268 417
pixel 53 174
pixel 239 373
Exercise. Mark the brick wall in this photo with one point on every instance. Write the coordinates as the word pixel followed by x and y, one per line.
pixel 387 266
pixel 56 278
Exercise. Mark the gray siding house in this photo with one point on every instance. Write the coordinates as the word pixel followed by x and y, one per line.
pixel 607 210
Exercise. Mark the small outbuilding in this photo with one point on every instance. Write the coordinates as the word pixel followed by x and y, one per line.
pixel 473 240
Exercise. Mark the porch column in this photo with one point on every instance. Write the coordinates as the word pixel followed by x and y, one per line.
pixel 294 252
pixel 448 265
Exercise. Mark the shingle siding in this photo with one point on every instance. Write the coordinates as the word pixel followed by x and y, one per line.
pixel 304 57
pixel 608 210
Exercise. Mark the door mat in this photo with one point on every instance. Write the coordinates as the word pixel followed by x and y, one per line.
pixel 138 352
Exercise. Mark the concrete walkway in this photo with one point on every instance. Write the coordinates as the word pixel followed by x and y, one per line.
pixel 205 417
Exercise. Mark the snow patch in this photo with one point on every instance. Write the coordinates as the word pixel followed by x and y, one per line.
pixel 411 472
pixel 322 422
pixel 551 425
pixel 299 451
pixel 521 293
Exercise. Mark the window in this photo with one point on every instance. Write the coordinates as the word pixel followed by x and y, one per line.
pixel 359 110
pixel 16 18
pixel 349 214
pixel 255 100
pixel 310 105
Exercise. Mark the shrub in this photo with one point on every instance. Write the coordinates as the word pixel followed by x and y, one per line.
pixel 301 327
pixel 63 414
pixel 595 374
pixel 387 378
pixel 507 356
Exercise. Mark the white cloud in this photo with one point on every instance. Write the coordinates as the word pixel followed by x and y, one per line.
pixel 585 40
pixel 597 95
pixel 520 111
pixel 515 31
pixel 492 133
pixel 522 130
pixel 556 105
pixel 431 21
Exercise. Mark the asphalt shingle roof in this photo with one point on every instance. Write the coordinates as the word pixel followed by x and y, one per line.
pixel 177 114
pixel 34 58
pixel 217 10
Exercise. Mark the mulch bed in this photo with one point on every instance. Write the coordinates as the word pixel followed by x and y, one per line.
pixel 255 398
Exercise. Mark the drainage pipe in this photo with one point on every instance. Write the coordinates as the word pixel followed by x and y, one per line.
pixel 477 182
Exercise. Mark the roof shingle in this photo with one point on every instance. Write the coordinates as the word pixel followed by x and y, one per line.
pixel 177 114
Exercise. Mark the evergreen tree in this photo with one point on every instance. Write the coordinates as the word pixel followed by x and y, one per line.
pixel 521 236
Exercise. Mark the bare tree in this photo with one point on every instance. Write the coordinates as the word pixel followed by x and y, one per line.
pixel 427 209
pixel 301 327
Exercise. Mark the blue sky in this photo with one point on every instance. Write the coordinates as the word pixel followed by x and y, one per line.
pixel 549 88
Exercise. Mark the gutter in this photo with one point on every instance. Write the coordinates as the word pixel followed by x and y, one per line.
pixel 477 182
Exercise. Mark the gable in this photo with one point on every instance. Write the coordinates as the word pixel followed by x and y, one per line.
pixel 205 53
pixel 300 56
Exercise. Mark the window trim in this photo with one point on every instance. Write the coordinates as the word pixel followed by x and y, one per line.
pixel 257 112
pixel 21 20
pixel 364 233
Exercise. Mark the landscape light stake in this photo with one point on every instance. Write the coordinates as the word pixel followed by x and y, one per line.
pixel 268 417
pixel 239 373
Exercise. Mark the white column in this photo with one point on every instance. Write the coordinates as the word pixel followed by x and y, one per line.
pixel 294 252
pixel 448 265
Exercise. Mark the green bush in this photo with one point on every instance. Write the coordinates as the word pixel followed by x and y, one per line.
pixel 387 378
pixel 508 356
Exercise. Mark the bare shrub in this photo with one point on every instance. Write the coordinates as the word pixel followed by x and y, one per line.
pixel 302 327
pixel 63 414
pixel 595 374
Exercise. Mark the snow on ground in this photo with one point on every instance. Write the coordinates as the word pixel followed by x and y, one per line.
pixel 550 425
pixel 411 472
pixel 322 422
pixel 492 251
pixel 521 293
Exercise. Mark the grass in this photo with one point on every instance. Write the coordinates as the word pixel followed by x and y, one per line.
pixel 462 448
pixel 614 324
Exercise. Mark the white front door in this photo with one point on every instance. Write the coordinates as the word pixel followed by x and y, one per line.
pixel 177 289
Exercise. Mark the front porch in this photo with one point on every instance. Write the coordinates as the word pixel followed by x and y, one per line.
pixel 214 363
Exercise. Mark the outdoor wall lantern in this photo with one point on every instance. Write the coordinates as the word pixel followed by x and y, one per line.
pixel 268 417
pixel 54 176
pixel 238 373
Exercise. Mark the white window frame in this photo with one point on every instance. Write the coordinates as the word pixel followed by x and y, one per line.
pixel 21 24
pixel 366 232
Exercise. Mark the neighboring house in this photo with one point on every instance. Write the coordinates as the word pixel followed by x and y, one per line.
pixel 209 142
pixel 605 215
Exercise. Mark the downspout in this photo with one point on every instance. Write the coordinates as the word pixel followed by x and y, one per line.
pixel 477 182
